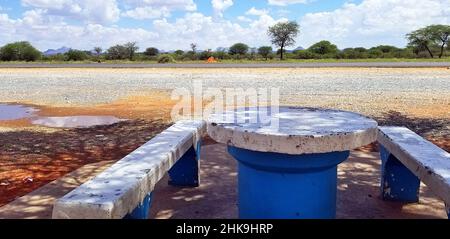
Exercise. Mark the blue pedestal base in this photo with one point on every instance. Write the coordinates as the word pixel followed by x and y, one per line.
pixel 281 186
pixel 398 183
pixel 185 171
pixel 142 211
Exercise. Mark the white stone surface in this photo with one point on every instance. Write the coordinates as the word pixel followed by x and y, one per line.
pixel 122 187
pixel 298 130
pixel 426 160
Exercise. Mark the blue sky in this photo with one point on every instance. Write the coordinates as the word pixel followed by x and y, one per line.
pixel 174 24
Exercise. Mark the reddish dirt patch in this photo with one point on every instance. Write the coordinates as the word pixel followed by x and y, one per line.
pixel 29 160
pixel 31 157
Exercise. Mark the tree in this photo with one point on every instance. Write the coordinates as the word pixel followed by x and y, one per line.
pixel 121 52
pixel 238 49
pixel 440 35
pixel 283 34
pixel 421 39
pixel 324 48
pixel 151 51
pixel 194 47
pixel 98 51
pixel 265 51
pixel 204 55
pixel 117 52
pixel 179 52
pixel 19 51
pixel 131 49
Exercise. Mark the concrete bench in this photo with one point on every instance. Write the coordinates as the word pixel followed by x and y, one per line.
pixel 125 189
pixel 408 159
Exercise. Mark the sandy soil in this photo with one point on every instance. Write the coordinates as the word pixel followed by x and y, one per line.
pixel 32 156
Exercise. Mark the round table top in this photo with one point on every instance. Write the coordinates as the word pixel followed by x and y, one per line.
pixel 292 130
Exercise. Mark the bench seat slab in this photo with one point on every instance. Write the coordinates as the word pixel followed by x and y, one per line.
pixel 120 189
pixel 425 160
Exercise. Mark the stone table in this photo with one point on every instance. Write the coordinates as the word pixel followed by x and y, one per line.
pixel 288 157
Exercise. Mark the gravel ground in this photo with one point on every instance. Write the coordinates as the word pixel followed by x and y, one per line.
pixel 365 90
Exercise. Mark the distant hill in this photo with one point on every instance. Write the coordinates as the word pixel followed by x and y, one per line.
pixel 296 49
pixel 51 52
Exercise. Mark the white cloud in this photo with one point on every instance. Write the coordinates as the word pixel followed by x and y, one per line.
pixel 286 2
pixel 98 11
pixel 49 24
pixel 256 12
pixel 244 19
pixel 151 9
pixel 210 32
pixel 45 32
pixel 220 6
pixel 373 22
pixel 142 13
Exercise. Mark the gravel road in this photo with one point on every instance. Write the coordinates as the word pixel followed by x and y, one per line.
pixel 252 65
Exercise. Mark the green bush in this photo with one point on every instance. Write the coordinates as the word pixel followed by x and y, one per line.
pixel 117 52
pixel 239 49
pixel 304 54
pixel 265 51
pixel 353 53
pixel 76 55
pixel 205 55
pixel 324 48
pixel 190 56
pixel 151 51
pixel 221 55
pixel 179 52
pixel 19 51
pixel 166 58
pixel 57 57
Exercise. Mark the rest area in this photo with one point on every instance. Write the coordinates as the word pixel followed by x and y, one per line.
pixel 184 173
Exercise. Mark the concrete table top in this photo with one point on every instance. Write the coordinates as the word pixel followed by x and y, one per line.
pixel 292 130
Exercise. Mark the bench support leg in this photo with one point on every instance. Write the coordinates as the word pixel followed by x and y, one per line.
pixel 398 183
pixel 185 173
pixel 142 211
pixel 447 209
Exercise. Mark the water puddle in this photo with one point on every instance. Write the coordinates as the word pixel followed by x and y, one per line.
pixel 10 112
pixel 76 121
pixel 15 112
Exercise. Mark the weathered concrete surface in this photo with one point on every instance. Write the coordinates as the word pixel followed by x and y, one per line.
pixel 427 161
pixel 292 130
pixel 121 188
pixel 358 193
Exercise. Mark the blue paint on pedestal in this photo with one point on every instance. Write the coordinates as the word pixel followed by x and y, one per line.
pixel 185 172
pixel 398 183
pixel 142 211
pixel 282 186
